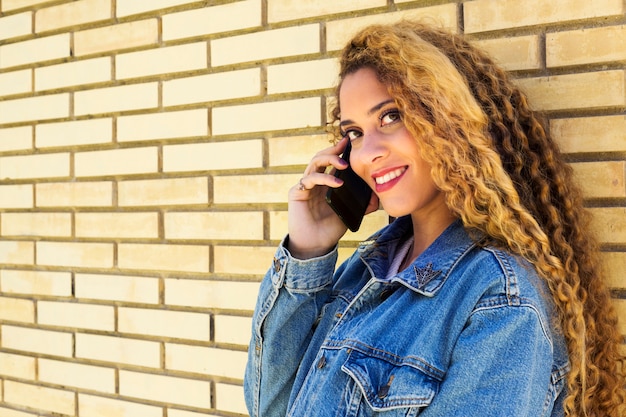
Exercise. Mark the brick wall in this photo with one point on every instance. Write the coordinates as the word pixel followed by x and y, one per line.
pixel 146 150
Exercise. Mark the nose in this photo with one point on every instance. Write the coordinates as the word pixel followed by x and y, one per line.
pixel 370 149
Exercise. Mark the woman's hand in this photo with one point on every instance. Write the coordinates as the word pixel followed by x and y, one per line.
pixel 314 228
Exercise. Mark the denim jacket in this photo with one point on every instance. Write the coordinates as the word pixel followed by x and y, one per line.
pixel 464 331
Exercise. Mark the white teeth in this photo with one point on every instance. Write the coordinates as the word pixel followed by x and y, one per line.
pixel 390 176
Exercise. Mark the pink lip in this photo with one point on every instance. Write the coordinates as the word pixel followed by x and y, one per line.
pixel 392 182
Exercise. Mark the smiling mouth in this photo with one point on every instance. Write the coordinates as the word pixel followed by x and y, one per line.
pixel 390 176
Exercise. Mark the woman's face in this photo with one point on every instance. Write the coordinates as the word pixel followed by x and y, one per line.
pixel 384 153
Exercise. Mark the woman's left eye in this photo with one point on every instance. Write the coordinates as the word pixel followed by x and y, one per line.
pixel 389 117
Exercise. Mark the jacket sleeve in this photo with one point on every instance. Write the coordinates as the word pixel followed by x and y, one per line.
pixel 502 365
pixel 290 299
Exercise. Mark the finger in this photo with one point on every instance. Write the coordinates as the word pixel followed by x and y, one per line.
pixel 322 161
pixel 309 182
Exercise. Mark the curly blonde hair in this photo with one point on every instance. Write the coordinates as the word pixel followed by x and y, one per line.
pixel 505 178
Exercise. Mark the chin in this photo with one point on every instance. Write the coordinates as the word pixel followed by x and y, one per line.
pixel 395 211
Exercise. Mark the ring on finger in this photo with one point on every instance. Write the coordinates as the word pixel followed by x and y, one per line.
pixel 301 186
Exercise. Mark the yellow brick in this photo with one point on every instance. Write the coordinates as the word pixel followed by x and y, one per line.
pixel 115 99
pixel 182 391
pixel 16 138
pixel 209 20
pixel 486 15
pixel 73 74
pixel 17 252
pixel 242 189
pixel 609 224
pixel 82 255
pixel 205 360
pixel 117 225
pixel 302 76
pixel 115 37
pixel 228 259
pixel 232 329
pixel 338 32
pixel 37 341
pixel 74 133
pixel 279 225
pixel 605 179
pixel 35 108
pixel 586 46
pixel 212 87
pixel 514 53
pixel 36 282
pixel 16 25
pixel 186 258
pixel 117 288
pixel 17 309
pixel 75 194
pixel 16 82
pixel 16 196
pixel 282 10
pixel 177 324
pixel 84 316
pixel 130 7
pixel 300 113
pixel 17 366
pixel 614 265
pixel 590 134
pixel 35 50
pixel 181 413
pixel 230 398
pixel 620 307
pixel 6 412
pixel 46 399
pixel 164 192
pixel 344 254
pixel 116 162
pixel 212 294
pixel 36 224
pixel 168 60
pixel 577 91
pixel 213 156
pixel 77 375
pixel 19 4
pixel 72 14
pixel 290 41
pixel 35 166
pixel 214 225
pixel 296 150
pixel 116 349
pixel 168 125
pixel 92 406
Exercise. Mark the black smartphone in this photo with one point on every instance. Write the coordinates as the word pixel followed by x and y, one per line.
pixel 351 199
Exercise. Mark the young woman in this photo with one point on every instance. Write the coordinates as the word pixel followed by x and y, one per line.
pixel 483 298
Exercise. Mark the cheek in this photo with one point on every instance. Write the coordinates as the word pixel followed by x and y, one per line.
pixel 356 164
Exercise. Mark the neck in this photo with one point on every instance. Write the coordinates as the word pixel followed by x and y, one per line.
pixel 425 232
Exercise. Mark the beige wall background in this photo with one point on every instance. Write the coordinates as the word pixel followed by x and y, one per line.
pixel 146 150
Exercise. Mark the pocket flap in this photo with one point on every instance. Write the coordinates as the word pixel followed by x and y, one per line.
pixel 386 385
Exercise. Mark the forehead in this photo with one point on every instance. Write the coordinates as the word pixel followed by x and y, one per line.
pixel 360 91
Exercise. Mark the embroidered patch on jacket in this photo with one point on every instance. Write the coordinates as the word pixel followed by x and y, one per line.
pixel 426 274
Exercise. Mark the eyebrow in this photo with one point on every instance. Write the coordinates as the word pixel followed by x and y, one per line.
pixel 370 111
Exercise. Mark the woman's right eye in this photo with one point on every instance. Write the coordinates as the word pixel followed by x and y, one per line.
pixel 352 134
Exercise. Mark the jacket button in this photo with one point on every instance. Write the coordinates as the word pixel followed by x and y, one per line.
pixel 383 391
pixel 385 294
pixel 321 363
pixel 277 265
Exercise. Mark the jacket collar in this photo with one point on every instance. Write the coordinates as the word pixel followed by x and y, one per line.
pixel 431 269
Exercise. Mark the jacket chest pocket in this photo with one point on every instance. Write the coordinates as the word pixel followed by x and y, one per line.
pixel 388 389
